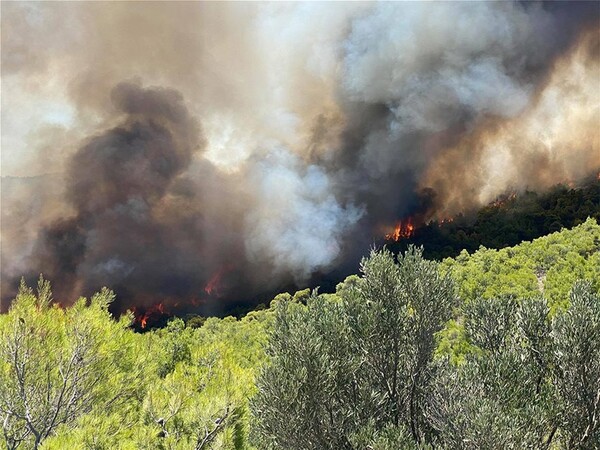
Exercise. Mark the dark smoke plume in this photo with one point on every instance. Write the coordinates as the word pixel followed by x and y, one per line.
pixel 117 183
pixel 261 145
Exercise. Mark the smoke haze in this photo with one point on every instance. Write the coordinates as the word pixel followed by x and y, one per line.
pixel 200 153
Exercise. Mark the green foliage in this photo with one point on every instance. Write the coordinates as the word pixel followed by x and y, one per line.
pixel 499 392
pixel 508 221
pixel 302 384
pixel 548 265
pixel 58 365
pixel 337 365
pixel 576 370
pixel 394 316
pixel 76 378
pixel 396 358
pixel 379 365
pixel 388 438
pixel 532 382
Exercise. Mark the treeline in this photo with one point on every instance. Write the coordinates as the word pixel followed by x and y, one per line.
pixel 75 378
pixel 365 369
pixel 495 349
pixel 508 221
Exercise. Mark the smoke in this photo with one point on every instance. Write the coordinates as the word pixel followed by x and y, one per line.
pixel 554 140
pixel 115 182
pixel 443 73
pixel 190 152
pixel 297 224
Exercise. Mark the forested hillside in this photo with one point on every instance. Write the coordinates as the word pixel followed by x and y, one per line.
pixel 507 221
pixel 493 349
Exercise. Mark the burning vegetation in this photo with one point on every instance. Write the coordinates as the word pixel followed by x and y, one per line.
pixel 403 229
pixel 148 317
pixel 174 164
pixel 506 221
pixel 214 286
pixel 504 200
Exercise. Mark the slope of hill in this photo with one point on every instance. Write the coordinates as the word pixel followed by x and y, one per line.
pixel 94 383
pixel 394 360
pixel 548 265
pixel 507 221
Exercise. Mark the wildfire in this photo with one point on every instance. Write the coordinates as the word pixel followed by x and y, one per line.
pixel 213 285
pixel 402 230
pixel 154 312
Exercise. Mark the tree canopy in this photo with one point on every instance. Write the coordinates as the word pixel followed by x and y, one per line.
pixel 495 346
pixel 508 221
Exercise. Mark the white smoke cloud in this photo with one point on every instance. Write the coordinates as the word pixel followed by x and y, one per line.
pixel 296 224
pixel 438 67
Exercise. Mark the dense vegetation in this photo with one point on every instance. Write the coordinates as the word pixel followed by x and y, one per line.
pixel 508 221
pixel 73 378
pixel 362 371
pixel 499 348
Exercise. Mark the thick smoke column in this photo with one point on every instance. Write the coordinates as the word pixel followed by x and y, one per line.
pixel 438 75
pixel 257 144
pixel 116 183
pixel 142 225
pixel 297 222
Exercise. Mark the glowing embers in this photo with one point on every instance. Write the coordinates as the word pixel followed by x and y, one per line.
pixel 403 229
pixel 150 315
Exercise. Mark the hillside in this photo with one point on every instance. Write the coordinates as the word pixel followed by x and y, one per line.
pixel 504 223
pixel 509 220
pixel 548 265
pixel 300 225
pixel 76 378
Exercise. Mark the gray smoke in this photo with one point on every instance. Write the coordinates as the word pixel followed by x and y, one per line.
pixel 255 145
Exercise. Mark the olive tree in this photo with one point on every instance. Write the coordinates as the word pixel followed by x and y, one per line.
pixel 347 367
pixel 576 368
pixel 531 381
pixel 500 394
pixel 308 393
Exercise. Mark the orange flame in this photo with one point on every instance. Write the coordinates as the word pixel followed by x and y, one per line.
pixel 213 285
pixel 143 315
pixel 402 230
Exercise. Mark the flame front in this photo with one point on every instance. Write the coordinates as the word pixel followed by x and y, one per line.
pixel 213 283
pixel 402 230
pixel 142 316
pixel 503 200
